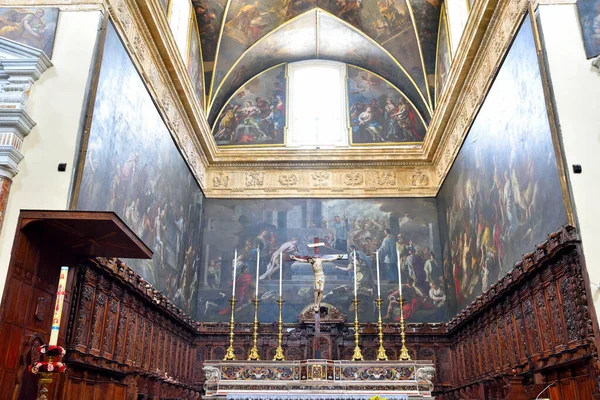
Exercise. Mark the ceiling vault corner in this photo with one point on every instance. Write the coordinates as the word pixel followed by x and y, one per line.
pixel 355 172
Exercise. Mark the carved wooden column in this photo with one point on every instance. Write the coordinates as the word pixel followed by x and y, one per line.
pixel 20 67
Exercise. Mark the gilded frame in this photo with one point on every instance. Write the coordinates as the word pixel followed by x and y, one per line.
pixel 559 154
pixel 89 114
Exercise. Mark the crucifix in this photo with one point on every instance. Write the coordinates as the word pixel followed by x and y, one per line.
pixel 317 265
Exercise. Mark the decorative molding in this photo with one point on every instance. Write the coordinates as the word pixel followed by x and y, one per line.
pixel 183 123
pixel 320 179
pixel 254 179
pixel 280 183
pixel 20 67
pixel 288 179
pixel 498 36
pixel 220 180
pixel 420 179
pixel 353 178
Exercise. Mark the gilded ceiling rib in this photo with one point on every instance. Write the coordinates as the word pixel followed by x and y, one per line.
pixel 412 17
pixel 237 61
pixel 213 126
pixel 212 77
pixel 386 52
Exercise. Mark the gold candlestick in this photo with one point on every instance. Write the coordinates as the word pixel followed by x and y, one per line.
pixel 357 356
pixel 254 350
pixel 45 380
pixel 279 356
pixel 404 356
pixel 230 354
pixel 381 355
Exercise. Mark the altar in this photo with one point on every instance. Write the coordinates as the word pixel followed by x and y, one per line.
pixel 340 379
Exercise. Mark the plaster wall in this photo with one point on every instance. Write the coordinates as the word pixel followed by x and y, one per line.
pixel 56 103
pixel 576 85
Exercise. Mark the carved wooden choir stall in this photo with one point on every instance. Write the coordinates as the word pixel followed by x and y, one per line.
pixel 124 340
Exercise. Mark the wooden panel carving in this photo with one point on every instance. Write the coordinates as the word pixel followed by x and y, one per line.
pixel 528 330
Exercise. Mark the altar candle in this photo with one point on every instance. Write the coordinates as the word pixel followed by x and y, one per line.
pixel 257 270
pixel 355 285
pixel 378 281
pixel 60 297
pixel 280 273
pixel 234 272
pixel 399 274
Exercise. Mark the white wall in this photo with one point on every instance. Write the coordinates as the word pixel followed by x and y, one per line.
pixel 56 105
pixel 576 88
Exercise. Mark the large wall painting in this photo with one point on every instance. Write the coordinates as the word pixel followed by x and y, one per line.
pixel 589 17
pixel 35 27
pixel 195 64
pixel 287 226
pixel 443 55
pixel 379 113
pixel 256 114
pixel 502 196
pixel 294 41
pixel 133 167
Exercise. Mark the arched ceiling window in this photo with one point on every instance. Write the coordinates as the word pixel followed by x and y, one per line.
pixel 317 104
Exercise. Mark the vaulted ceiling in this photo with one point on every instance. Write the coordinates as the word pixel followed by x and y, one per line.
pixel 395 39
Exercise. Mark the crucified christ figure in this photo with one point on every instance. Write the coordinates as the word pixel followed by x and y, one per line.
pixel 317 266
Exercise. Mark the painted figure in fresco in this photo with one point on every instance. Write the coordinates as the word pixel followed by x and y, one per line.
pixel 437 294
pixel 341 232
pixel 26 28
pixel 390 21
pixel 317 266
pixel 387 253
pixel 412 300
pixel 364 277
pixel 244 290
pixel 290 248
pixel 244 17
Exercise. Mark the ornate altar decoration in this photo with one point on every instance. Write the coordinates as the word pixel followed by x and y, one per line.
pixel 48 369
pixel 284 380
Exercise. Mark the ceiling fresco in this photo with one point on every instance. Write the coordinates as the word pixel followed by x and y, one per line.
pixel 396 39
pixel 294 41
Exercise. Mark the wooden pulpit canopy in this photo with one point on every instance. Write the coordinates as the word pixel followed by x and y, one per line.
pixel 86 233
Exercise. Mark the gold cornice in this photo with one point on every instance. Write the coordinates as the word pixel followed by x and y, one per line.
pixel 158 27
pixel 334 183
pixel 506 19
pixel 418 171
pixel 130 24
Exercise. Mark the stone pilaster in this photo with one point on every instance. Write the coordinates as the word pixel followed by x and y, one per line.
pixel 20 67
